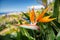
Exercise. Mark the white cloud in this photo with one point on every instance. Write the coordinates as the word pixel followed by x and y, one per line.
pixel 36 6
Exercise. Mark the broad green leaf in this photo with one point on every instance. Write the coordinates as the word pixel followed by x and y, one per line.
pixel 56 9
pixel 59 13
pixel 57 24
pixel 55 27
pixel 58 36
pixel 50 35
pixel 18 36
pixel 25 33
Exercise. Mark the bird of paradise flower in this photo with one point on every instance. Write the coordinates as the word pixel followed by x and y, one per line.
pixel 33 20
pixel 40 18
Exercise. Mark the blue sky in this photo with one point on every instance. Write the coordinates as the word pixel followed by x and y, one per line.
pixel 16 5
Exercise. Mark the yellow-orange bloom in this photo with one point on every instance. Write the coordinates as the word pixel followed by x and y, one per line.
pixel 32 15
pixel 46 19
pixel 42 14
pixel 40 18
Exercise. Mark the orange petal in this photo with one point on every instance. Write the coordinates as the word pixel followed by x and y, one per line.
pixel 42 14
pixel 46 19
pixel 32 15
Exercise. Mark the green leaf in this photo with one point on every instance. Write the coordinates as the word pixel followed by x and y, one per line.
pixel 6 37
pixel 18 36
pixel 59 13
pixel 56 9
pixel 20 21
pixel 25 33
pixel 25 14
pixel 50 35
pixel 58 36
pixel 55 26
